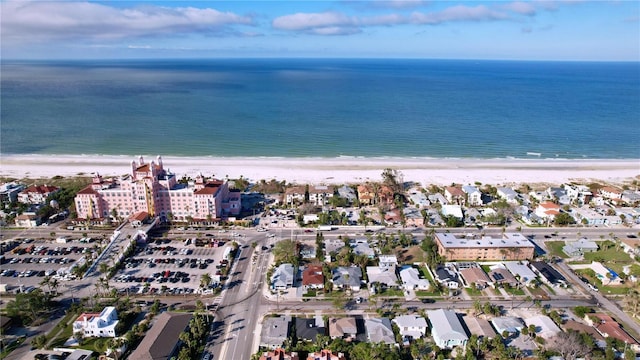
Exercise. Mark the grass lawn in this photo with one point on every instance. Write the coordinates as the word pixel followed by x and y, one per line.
pixel 555 248
pixel 614 290
pixel 473 291
pixel 423 293
pixel 612 258
pixel 515 291
pixel 95 344
pixel 410 255
pixel 391 292
pixel 549 289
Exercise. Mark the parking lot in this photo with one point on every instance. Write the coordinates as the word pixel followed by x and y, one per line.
pixel 26 262
pixel 166 267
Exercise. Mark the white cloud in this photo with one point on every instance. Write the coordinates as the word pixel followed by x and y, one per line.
pixel 520 7
pixel 310 21
pixel 34 20
pixel 458 13
pixel 399 4
pixel 334 23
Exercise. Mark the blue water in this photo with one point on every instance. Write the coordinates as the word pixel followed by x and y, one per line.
pixel 322 108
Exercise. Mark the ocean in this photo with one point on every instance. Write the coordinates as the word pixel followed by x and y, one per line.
pixel 326 108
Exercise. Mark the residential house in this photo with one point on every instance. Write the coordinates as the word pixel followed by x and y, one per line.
pixel 545 327
pixel 454 195
pixel 547 210
pixel 559 194
pixel 325 354
pixel 578 193
pixel 580 327
pixel 512 325
pixel 446 277
pixel 347 192
pixel 521 271
pixel 611 193
pixel 310 218
pixel 312 277
pixel 343 328
pixel 411 326
pixel 366 194
pixel 9 192
pixel 379 331
pixel 387 261
pixel 630 197
pixel 608 327
pixel 413 217
pixel 275 331
pixel 102 324
pixel 419 199
pixel 501 276
pixel 585 215
pixel 347 278
pixel 508 194
pixel 446 329
pixel 307 251
pixel 318 195
pixel 548 274
pixel 385 276
pixel 479 326
pixel 437 198
pixel 475 276
pixel 283 277
pixel 279 354
pixel 603 273
pixel 28 220
pixel 579 247
pixel 332 246
pixel 452 210
pixel 138 219
pixel 361 247
pixel 393 217
pixel 161 341
pixel 474 196
pixel 386 195
pixel 37 194
pixel 511 246
pixel 411 279
pixel 309 329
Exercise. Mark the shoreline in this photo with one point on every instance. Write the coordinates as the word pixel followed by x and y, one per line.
pixel 340 170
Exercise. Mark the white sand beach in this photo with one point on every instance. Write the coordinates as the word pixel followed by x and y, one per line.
pixel 339 170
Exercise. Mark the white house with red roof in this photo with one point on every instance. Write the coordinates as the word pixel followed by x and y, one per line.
pixel 547 210
pixel 101 324
pixel 610 192
pixel 36 194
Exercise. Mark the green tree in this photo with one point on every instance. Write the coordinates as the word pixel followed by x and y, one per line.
pixel 286 251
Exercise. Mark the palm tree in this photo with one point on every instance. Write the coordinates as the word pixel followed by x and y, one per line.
pixel 205 280
pixel 46 282
pixel 53 284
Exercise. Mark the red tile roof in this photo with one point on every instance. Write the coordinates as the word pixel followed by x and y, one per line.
pixel 454 191
pixel 611 328
pixel 549 205
pixel 209 188
pixel 141 216
pixel 88 191
pixel 88 316
pixel 41 189
pixel 312 275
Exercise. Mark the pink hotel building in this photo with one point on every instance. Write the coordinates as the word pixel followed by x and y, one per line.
pixel 152 189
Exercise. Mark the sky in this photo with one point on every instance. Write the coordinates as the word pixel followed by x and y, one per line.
pixel 510 30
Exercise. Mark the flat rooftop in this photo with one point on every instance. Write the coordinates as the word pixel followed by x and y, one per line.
pixel 449 240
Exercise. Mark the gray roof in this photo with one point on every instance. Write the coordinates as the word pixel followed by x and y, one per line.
pixel 382 275
pixel 275 331
pixel 449 240
pixel 507 323
pixel 446 325
pixel 339 278
pixel 283 276
pixel 309 329
pixel 480 327
pixel 161 339
pixel 521 269
pixel 379 330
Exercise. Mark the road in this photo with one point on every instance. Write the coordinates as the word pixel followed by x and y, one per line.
pixel 242 305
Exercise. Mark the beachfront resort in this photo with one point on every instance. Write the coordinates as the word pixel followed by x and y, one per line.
pixel 163 265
